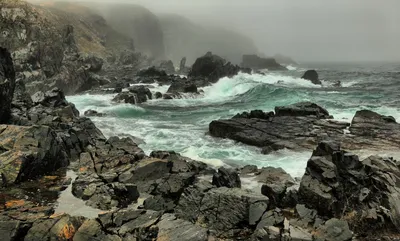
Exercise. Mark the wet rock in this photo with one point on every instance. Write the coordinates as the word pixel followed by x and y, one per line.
pixel 7 84
pixel 248 169
pixel 259 114
pixel 211 68
pixel 182 87
pixel 171 228
pixel 226 178
pixel 296 127
pixel 103 195
pixel 158 95
pixel 336 181
pixel 29 152
pixel 92 63
pixel 90 113
pixel 143 94
pixel 221 209
pixel 13 230
pixel 167 66
pixel 152 72
pixel 126 97
pixel 312 76
pixel 335 230
pixel 59 228
pixel 302 109
pixel 255 62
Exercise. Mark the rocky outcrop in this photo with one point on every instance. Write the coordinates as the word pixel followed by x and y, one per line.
pixel 226 178
pixel 338 184
pixel 312 76
pixel 301 126
pixel 136 95
pixel 255 62
pixel 210 68
pixel 167 66
pixel 29 152
pixel 7 84
pixel 183 86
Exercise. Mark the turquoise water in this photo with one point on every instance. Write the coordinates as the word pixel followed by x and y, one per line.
pixel 182 124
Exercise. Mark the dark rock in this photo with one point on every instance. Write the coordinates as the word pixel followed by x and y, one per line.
pixel 171 228
pixel 337 183
pixel 297 127
pixel 59 228
pixel 221 209
pixel 158 95
pixel 271 218
pixel 212 68
pixel 259 114
pixel 167 66
pixel 182 87
pixel 312 76
pixel 334 230
pixel 226 178
pixel 91 230
pixel 92 63
pixel 13 230
pixel 256 211
pixel 93 113
pixel 29 152
pixel 248 169
pixel 126 97
pixel 159 203
pixel 143 94
pixel 302 109
pixel 152 72
pixel 7 84
pixel 255 62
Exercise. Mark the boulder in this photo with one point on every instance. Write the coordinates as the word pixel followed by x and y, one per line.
pixel 255 62
pixel 312 76
pixel 143 94
pixel 258 114
pixel 167 66
pixel 90 113
pixel 29 152
pixel 302 109
pixel 91 62
pixel 226 178
pixel 211 68
pixel 221 209
pixel 182 87
pixel 336 183
pixel 151 72
pixel 126 97
pixel 297 127
pixel 7 84
pixel 158 95
pixel 334 230
pixel 172 228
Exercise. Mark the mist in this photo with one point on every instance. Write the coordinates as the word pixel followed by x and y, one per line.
pixel 307 30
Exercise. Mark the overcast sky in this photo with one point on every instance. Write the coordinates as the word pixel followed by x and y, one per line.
pixel 307 30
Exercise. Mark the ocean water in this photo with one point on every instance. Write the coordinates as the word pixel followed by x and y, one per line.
pixel 182 124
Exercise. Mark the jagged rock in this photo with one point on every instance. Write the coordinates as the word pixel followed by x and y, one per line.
pixel 312 76
pixel 7 84
pixel 143 94
pixel 248 169
pixel 29 152
pixel 226 178
pixel 13 230
pixel 126 97
pixel 91 230
pixel 182 87
pixel 158 95
pixel 167 66
pixel 101 195
pixel 271 218
pixel 302 109
pixel 93 113
pixel 221 209
pixel 152 72
pixel 334 230
pixel 255 62
pixel 337 183
pixel 295 127
pixel 52 98
pixel 211 68
pixel 171 228
pixel 259 114
pixel 59 228
pixel 93 63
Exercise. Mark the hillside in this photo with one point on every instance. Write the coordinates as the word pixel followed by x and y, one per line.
pixel 184 38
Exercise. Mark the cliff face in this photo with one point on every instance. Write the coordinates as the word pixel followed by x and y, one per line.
pixel 49 46
pixel 138 23
pixel 186 39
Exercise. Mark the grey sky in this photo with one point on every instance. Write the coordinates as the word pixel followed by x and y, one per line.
pixel 307 30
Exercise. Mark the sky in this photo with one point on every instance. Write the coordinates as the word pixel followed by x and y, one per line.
pixel 306 30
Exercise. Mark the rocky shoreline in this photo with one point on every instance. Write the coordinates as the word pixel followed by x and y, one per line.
pixel 165 196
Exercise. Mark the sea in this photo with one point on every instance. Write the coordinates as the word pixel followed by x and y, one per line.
pixel 181 125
